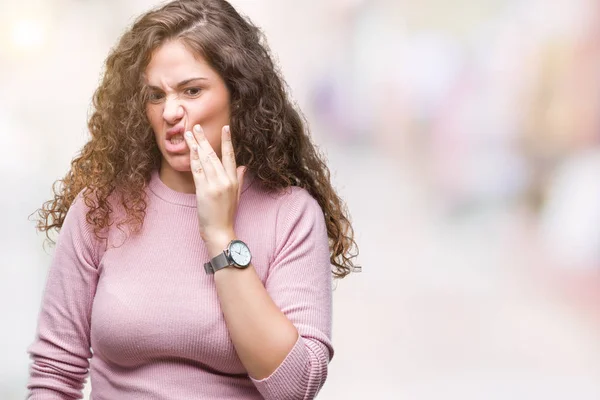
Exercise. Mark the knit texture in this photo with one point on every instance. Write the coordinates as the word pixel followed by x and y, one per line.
pixel 143 319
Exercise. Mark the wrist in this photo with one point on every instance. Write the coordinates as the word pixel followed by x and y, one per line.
pixel 217 241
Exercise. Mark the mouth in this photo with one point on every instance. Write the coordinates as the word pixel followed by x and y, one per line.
pixel 176 139
pixel 175 131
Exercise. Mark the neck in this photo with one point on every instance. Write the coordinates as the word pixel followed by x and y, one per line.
pixel 176 180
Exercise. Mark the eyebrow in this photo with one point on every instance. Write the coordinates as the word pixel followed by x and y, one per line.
pixel 180 84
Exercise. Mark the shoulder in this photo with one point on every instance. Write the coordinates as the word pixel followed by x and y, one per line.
pixel 292 200
pixel 79 208
pixel 290 220
pixel 88 200
pixel 92 215
pixel 77 234
pixel 296 199
pixel 298 213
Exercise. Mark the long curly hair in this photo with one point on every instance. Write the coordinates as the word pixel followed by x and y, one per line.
pixel 122 152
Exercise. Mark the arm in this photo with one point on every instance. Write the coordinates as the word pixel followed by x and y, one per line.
pixel 281 331
pixel 61 349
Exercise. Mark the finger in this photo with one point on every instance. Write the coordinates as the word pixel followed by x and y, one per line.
pixel 203 152
pixel 195 161
pixel 241 173
pixel 227 154
pixel 210 161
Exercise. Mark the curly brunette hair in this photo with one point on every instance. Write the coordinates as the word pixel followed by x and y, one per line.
pixel 122 152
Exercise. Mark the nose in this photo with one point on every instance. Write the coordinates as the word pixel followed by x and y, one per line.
pixel 173 110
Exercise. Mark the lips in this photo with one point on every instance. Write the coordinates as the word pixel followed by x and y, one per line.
pixel 181 146
pixel 178 130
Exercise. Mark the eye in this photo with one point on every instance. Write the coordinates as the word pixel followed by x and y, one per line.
pixel 193 92
pixel 155 97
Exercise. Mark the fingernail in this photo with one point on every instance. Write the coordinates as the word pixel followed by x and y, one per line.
pixel 197 128
pixel 189 134
pixel 227 132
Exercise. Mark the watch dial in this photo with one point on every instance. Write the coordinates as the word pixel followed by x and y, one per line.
pixel 240 253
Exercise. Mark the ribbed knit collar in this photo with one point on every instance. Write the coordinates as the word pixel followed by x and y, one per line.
pixel 157 186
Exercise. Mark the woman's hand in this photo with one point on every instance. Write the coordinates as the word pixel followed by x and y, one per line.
pixel 218 187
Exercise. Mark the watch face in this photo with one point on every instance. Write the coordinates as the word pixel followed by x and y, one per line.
pixel 239 253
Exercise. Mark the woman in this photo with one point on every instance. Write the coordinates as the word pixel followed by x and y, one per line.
pixel 185 275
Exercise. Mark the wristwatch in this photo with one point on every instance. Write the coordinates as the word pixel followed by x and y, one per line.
pixel 237 254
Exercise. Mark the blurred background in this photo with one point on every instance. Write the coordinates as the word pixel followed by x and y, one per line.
pixel 464 136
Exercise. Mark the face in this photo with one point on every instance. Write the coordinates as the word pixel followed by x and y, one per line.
pixel 184 91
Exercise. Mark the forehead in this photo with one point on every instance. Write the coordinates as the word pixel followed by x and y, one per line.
pixel 172 62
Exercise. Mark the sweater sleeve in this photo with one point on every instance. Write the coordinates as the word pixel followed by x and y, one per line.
pixel 61 349
pixel 300 283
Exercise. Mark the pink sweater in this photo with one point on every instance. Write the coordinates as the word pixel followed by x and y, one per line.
pixel 150 315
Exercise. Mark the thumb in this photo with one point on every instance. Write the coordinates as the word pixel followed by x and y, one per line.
pixel 241 172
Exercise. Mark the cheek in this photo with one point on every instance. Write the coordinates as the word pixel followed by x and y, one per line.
pixel 213 113
pixel 153 115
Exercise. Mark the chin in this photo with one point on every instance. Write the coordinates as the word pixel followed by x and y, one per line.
pixel 178 165
pixel 182 168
